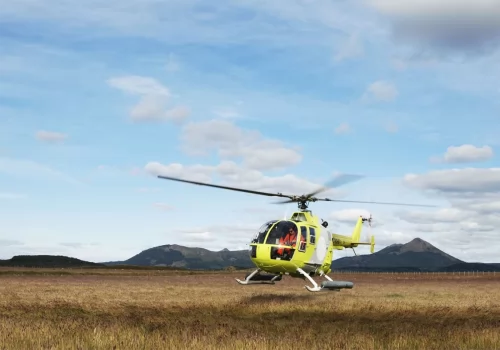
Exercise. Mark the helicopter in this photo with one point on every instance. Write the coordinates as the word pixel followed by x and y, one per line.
pixel 309 252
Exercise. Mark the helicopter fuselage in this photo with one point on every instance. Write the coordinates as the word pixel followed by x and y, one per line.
pixel 312 251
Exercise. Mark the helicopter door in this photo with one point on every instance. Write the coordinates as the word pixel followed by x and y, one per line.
pixel 303 239
pixel 279 236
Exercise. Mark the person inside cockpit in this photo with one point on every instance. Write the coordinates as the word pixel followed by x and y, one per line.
pixel 290 239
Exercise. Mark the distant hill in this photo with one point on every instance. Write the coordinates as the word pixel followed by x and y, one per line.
pixel 471 267
pixel 416 255
pixel 51 261
pixel 191 258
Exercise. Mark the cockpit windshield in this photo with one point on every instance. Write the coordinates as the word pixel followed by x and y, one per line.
pixel 261 235
pixel 280 230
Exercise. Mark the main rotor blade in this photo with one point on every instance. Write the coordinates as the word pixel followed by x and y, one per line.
pixel 225 187
pixel 286 201
pixel 336 182
pixel 383 203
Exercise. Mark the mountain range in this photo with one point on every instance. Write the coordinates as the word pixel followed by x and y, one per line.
pixel 416 255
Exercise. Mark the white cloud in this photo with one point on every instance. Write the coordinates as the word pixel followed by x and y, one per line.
pixel 348 216
pixel 152 106
pixel 381 90
pixel 178 114
pixel 472 180
pixel 384 238
pixel 153 109
pixel 439 216
pixel 232 174
pixel 85 251
pixel 235 236
pixel 465 154
pixel 149 108
pixel 138 85
pixel 50 136
pixel 474 194
pixel 192 22
pixel 351 48
pixel 10 242
pixel 198 237
pixel 459 25
pixel 231 141
pixel 163 206
pixel 447 8
pixel 78 245
pixel 190 172
pixel 343 128
pixel 455 224
pixel 485 206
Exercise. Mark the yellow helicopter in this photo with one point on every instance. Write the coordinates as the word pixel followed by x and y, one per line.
pixel 300 246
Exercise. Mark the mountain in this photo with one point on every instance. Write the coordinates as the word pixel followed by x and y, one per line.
pixel 192 258
pixel 414 255
pixel 53 261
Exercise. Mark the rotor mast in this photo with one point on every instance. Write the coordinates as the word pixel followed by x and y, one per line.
pixel 303 205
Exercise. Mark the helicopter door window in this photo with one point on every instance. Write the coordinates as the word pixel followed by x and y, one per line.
pixel 280 231
pixel 312 235
pixel 303 239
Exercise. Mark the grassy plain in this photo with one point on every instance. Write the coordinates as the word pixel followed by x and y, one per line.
pixel 134 309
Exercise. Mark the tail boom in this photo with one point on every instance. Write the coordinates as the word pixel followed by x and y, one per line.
pixel 341 242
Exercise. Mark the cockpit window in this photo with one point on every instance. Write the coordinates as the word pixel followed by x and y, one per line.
pixel 299 217
pixel 280 230
pixel 261 235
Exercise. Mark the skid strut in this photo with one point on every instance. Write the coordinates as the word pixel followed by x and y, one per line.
pixel 325 285
pixel 256 278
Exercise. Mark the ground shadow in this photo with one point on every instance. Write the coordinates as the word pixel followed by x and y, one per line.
pixel 266 298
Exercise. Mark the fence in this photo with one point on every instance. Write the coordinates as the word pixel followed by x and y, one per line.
pixel 462 273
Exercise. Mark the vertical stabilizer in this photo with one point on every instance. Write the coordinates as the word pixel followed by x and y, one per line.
pixel 356 233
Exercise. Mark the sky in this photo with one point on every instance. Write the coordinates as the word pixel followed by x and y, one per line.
pixel 99 97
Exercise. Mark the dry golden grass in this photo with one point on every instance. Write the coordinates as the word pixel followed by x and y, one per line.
pixel 167 310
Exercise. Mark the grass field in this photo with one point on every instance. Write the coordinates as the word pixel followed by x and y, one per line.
pixel 125 309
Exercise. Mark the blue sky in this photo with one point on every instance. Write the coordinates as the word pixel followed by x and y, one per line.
pixel 97 98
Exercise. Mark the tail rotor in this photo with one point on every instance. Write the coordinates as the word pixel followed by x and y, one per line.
pixel 370 237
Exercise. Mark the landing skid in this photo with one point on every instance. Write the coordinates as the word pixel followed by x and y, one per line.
pixel 325 285
pixel 256 278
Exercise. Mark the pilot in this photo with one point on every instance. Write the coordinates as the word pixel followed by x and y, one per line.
pixel 289 240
